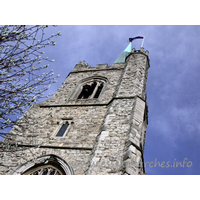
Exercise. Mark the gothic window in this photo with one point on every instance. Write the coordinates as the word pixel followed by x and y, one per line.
pixel 45 170
pixel 91 90
pixel 100 87
pixel 62 130
pixel 45 165
pixel 63 127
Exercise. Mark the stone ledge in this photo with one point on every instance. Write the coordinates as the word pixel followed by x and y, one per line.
pixel 55 147
pixel 99 68
pixel 43 105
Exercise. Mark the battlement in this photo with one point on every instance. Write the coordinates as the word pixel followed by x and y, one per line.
pixel 141 51
pixel 82 66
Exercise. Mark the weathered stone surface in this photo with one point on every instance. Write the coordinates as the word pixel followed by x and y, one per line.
pixel 105 135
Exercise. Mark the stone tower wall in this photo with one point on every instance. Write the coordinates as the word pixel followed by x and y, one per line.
pixel 105 135
pixel 120 145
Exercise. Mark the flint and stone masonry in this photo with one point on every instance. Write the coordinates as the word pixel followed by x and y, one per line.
pixel 103 114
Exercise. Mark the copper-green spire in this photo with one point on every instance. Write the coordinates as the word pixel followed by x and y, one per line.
pixel 122 57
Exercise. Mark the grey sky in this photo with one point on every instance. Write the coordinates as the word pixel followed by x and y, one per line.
pixel 172 88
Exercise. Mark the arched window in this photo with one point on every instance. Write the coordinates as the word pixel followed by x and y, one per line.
pixel 50 168
pixel 90 88
pixel 45 165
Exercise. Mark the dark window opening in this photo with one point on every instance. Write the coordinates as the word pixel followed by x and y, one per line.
pixel 86 92
pixel 98 91
pixel 45 172
pixel 91 90
pixel 93 86
pixel 62 130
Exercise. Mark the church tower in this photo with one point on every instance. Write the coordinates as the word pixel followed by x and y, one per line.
pixel 94 124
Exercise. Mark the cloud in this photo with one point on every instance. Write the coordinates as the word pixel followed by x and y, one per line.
pixel 186 118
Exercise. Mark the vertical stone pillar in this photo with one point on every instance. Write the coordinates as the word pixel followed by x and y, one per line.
pixel 120 144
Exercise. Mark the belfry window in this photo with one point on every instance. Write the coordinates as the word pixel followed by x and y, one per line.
pixel 91 90
pixel 98 90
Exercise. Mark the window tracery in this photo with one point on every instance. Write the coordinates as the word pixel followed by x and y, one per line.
pixel 91 90
pixel 45 165
pixel 45 170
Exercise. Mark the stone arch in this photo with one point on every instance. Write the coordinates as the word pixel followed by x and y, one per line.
pixel 97 84
pixel 57 165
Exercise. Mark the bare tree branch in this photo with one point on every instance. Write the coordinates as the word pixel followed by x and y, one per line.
pixel 24 75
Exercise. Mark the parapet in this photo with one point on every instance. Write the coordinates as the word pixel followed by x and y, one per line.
pixel 82 66
pixel 140 51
